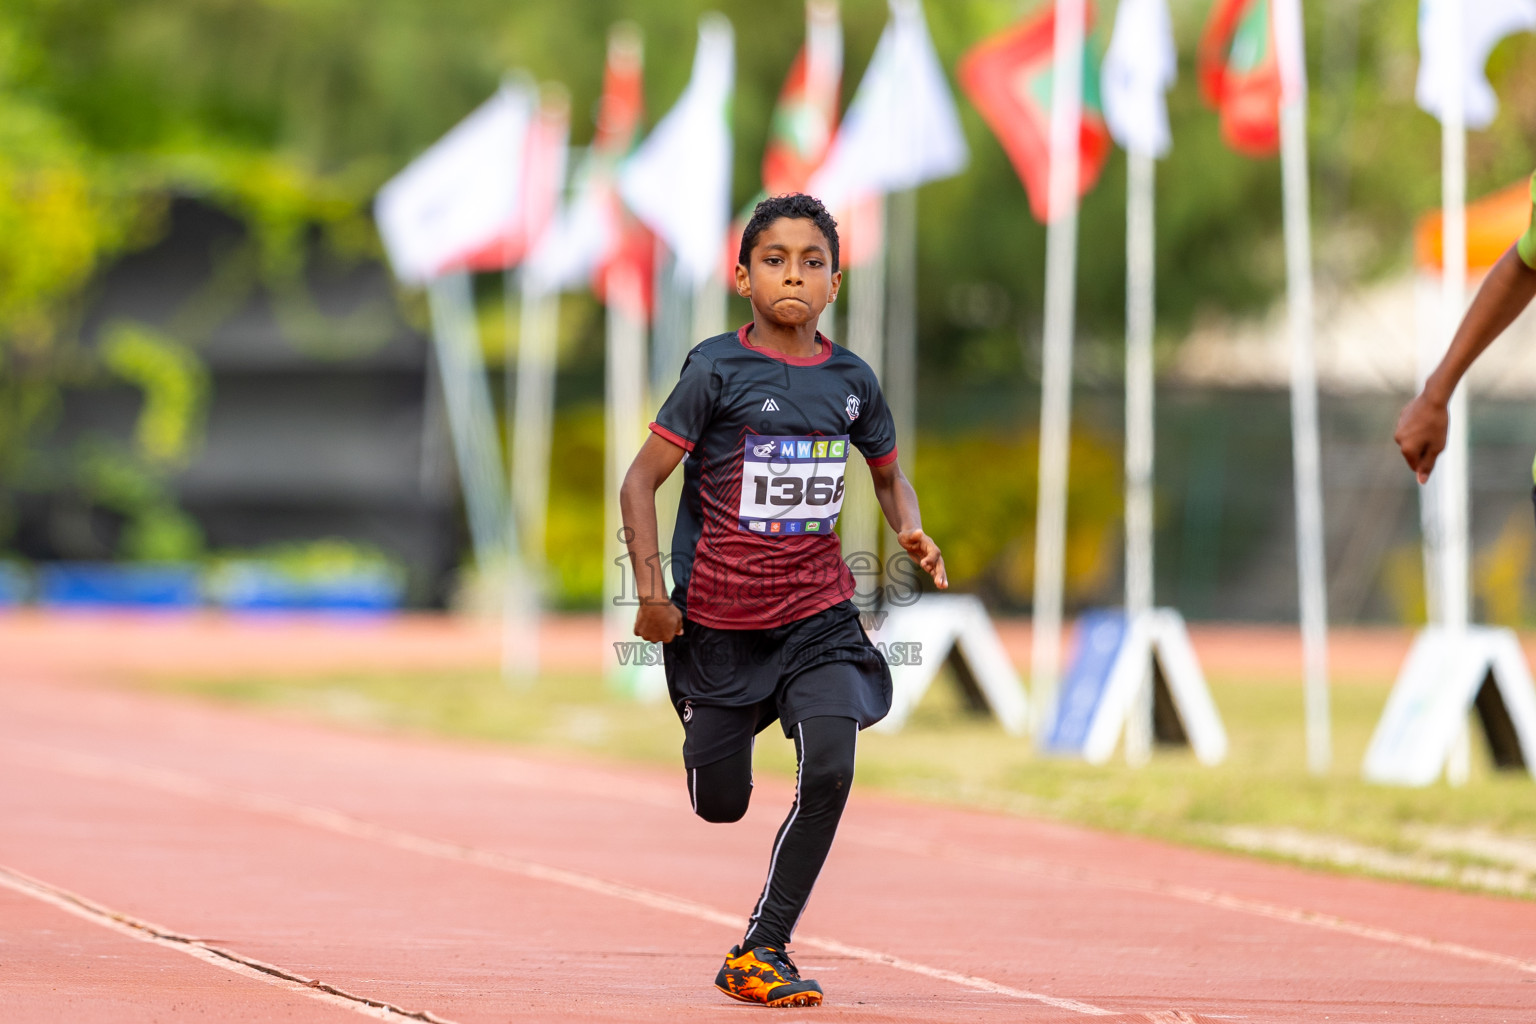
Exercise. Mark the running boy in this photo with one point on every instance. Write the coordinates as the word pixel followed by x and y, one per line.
pixel 760 624
pixel 1508 289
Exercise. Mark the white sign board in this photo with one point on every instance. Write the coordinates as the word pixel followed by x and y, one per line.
pixel 1447 674
pixel 1110 665
pixel 916 640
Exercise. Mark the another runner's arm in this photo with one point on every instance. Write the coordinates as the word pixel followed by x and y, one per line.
pixel 1509 288
pixel 658 619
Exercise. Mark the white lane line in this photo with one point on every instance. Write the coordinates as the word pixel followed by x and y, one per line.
pixel 113 770
pixel 966 980
pixel 1191 894
pixel 235 963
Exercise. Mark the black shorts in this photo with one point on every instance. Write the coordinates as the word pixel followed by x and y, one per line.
pixel 728 685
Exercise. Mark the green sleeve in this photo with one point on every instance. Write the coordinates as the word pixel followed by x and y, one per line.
pixel 1527 244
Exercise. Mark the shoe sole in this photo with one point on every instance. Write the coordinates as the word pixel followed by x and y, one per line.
pixel 798 999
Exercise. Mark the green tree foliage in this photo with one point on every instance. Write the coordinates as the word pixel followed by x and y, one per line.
pixel 340 93
pixel 290 114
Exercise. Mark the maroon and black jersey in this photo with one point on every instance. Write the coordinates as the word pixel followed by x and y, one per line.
pixel 767 437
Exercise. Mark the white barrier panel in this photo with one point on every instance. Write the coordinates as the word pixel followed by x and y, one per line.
pixel 920 638
pixel 1449 673
pixel 1111 663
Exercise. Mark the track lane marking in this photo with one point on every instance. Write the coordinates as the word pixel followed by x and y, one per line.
pixel 198 949
pixel 100 768
pixel 1191 894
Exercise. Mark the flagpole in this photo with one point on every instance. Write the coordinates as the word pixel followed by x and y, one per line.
pixel 1452 492
pixel 1056 398
pixel 532 437
pixel 866 339
pixel 1311 567
pixel 624 409
pixel 515 597
pixel 471 420
pixel 1140 312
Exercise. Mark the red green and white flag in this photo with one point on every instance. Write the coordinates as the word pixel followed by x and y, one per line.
pixel 1240 74
pixel 1010 78
pixel 805 119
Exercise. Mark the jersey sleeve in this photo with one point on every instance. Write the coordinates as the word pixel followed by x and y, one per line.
pixel 1527 244
pixel 691 405
pixel 873 432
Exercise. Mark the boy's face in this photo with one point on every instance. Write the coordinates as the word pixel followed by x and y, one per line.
pixel 790 279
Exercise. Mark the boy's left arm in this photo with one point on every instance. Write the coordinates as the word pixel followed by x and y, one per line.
pixel 899 503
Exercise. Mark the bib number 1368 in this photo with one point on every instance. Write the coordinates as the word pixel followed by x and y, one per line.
pixel 788 491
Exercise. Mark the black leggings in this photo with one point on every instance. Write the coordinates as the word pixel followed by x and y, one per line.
pixel 824 749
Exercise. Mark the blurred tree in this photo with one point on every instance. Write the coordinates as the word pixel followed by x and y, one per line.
pixel 290 114
pixel 284 107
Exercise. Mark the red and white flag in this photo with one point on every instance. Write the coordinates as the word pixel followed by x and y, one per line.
pixel 460 195
pixel 543 180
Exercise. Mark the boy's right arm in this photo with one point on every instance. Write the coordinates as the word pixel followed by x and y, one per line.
pixel 658 619
pixel 1421 428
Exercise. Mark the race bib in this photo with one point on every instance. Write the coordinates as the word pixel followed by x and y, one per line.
pixel 792 485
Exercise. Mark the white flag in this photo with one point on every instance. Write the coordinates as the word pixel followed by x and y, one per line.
pixel 1484 23
pixel 902 128
pixel 679 180
pixel 460 194
pixel 1139 67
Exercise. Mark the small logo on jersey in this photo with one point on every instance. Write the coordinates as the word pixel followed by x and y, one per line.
pixel 803 449
pixel 775 526
pixel 763 450
pixel 687 711
pixel 770 406
pixel 814 526
pixel 838 449
pixel 852 408
pixel 757 525
pixel 793 526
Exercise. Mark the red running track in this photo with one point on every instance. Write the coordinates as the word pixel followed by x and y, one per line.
pixel 166 859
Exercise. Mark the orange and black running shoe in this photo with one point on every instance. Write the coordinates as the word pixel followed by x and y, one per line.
pixel 765 975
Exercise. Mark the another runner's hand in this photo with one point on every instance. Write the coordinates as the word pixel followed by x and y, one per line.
pixel 1421 433
pixel 921 547
pixel 658 621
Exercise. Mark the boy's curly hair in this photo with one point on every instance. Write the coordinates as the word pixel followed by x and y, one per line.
pixel 794 205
